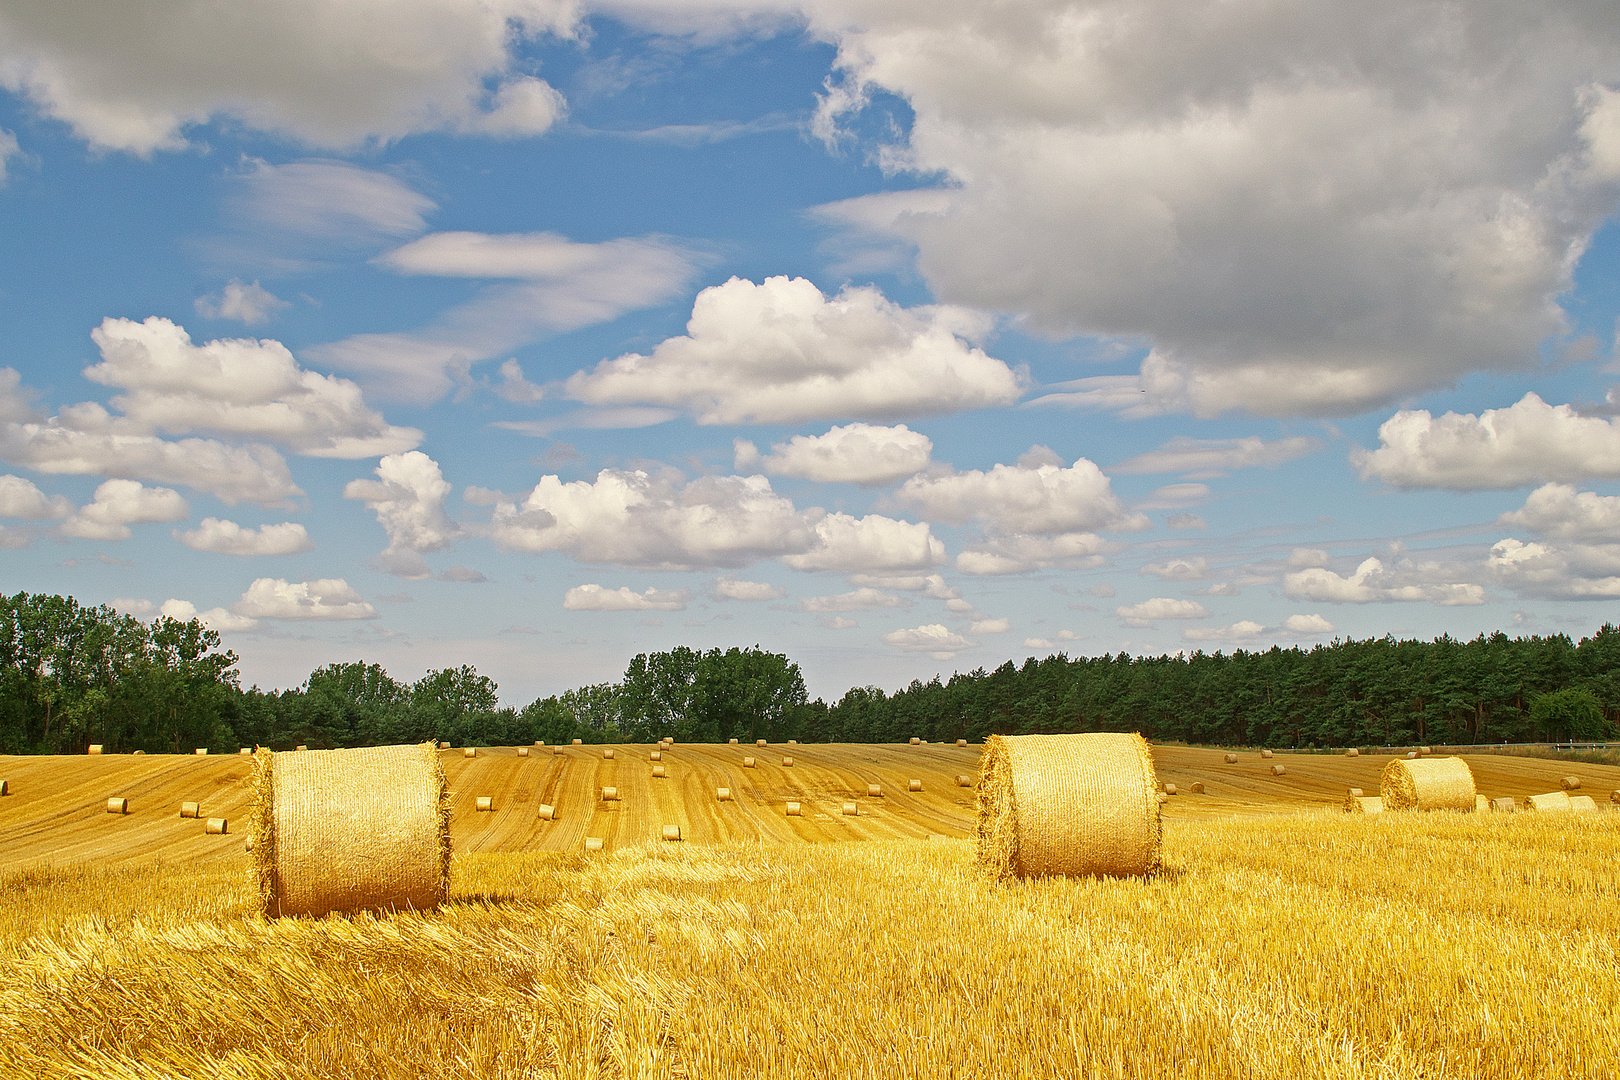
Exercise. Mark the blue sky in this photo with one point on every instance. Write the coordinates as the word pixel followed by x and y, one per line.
pixel 902 338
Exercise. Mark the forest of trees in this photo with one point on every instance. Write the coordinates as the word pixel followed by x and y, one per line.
pixel 72 675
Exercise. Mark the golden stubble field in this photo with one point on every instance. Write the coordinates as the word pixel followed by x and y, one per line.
pixel 1282 940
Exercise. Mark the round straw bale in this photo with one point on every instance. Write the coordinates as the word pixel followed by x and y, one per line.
pixel 1231 759
pixel 748 763
pixel 5 787
pixel 731 742
pixel 793 742
pixel 301 746
pixel 851 810
pixel 1197 788
pixel 1481 804
pixel 484 803
pixel 658 755
pixel 874 791
pixel 1411 754
pixel 913 785
pixel 915 741
pixel 548 812
pixel 1570 783
pixel 249 844
pixel 1503 806
pixel 658 770
pixel 1279 770
pixel 190 809
pixel 245 750
pixel 95 748
pixel 556 751
pixel 351 830
pixel 201 751
pixel 1614 796
pixel 539 742
pixel 1266 754
pixel 1068 804
pixel 961 742
pixel 442 746
pixel 1352 752
pixel 1425 750
pixel 607 755
pixel 468 751
pixel 1431 784
pixel 117 806
pixel 722 794
pixel 669 740
pixel 610 794
pixel 787 763
pixel 1550 802
pixel 137 752
pixel 576 742
pixel 793 810
pixel 593 843
pixel 760 742
pixel 672 832
pixel 216 826
pixel 523 751
pixel 1371 804
pixel 963 780
pixel 1169 789
pixel 1582 804
pixel 1355 793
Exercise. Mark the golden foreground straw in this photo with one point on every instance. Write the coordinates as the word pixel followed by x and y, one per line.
pixel 351 830
pixel 1427 784
pixel 1068 804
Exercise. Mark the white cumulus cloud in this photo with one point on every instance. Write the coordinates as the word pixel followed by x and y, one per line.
pixel 1217 457
pixel 408 498
pixel 1160 607
pixel 118 504
pixel 252 304
pixel 1373 582
pixel 857 600
pixel 321 600
pixel 1557 572
pixel 1558 510
pixel 1308 624
pixel 1193 569
pixel 870 544
pixel 220 619
pixel 20 498
pixel 228 538
pixel 730 588
pixel 940 642
pixel 781 352
pixel 596 598
pixel 1037 495
pixel 852 454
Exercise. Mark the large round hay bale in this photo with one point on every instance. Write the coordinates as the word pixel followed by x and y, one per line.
pixel 915 741
pixel 1197 788
pixel 1267 754
pixel 851 810
pixel 442 746
pixel 95 748
pixel 722 794
pixel 760 742
pixel 1481 804
pixel 523 751
pixel 793 742
pixel 245 751
pixel 117 806
pixel 1430 784
pixel 1411 753
pixel 1425 751
pixel 787 763
pixel 1279 770
pixel 913 785
pixel 5 787
pixel 1365 805
pixel 539 742
pixel 216 826
pixel 658 771
pixel 1352 752
pixel 1582 804
pixel 607 755
pixel 301 746
pixel 874 791
pixel 658 755
pixel 963 780
pixel 610 794
pixel 484 803
pixel 190 809
pixel 961 742
pixel 1231 759
pixel 556 751
pixel 201 751
pixel 793 810
pixel 576 742
pixel 137 753
pixel 468 751
pixel 593 843
pixel 1570 783
pixel 672 832
pixel 748 763
pixel 1068 804
pixel 1355 793
pixel 351 830
pixel 1169 789
pixel 548 812
pixel 1614 796
pixel 1552 802
pixel 1503 806
pixel 731 742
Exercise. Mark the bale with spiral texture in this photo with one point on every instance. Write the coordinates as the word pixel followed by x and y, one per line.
pixel 1429 784
pixel 1570 783
pixel 1197 788
pixel 1231 759
pixel 1266 754
pixel 1068 804
pixel 1279 770
pixel 1352 752
pixel 351 830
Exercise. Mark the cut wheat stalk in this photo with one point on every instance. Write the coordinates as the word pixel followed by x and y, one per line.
pixel 1443 783
pixel 366 829
pixel 1068 804
pixel 216 826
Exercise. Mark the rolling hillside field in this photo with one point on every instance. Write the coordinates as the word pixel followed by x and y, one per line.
pixel 1282 939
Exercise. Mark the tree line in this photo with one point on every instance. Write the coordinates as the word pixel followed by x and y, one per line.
pixel 72 675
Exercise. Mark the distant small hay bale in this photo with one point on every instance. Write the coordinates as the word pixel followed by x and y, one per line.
pixel 1231 759
pixel 1370 804
pixel 851 810
pixel 963 780
pixel 484 803
pixel 1197 788
pixel 669 740
pixel 1411 754
pixel 961 742
pixel 1583 804
pixel 548 812
pixel 523 751
pixel 916 741
pixel 190 809
pixel 469 752
pixel 117 806
pixel 1552 802
pixel 1352 752
pixel 539 742
pixel 607 755
pixel 748 763
pixel 793 742
pixel 787 763
pixel 793 810
pixel 657 755
pixel 874 791
pixel 216 826
pixel 95 748
pixel 760 742
pixel 5 787
pixel 1482 805
pixel 137 752
pixel 556 751
pixel 722 794
pixel 577 742
pixel 1279 770
pixel 201 751
pixel 366 829
pixel 1267 754
pixel 1503 806
pixel 913 785
pixel 658 771
pixel 672 832
pixel 1425 750
pixel 442 746
pixel 1443 783
pixel 731 742
pixel 246 750
pixel 301 746
pixel 1355 793
pixel 593 843
pixel 1614 796
pixel 1169 789
pixel 610 794
pixel 249 845
pixel 1570 783
pixel 1068 804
